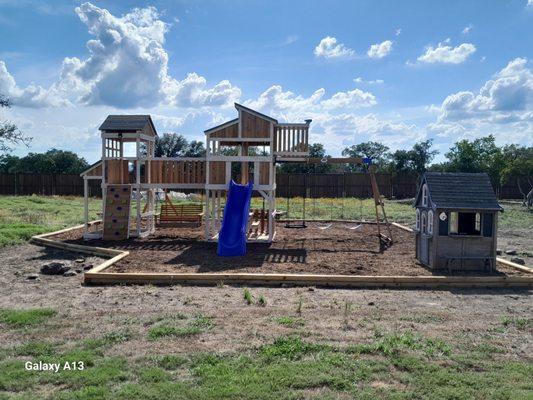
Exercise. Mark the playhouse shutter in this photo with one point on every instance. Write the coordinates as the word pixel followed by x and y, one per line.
pixel 487 225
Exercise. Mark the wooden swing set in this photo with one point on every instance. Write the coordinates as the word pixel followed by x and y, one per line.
pixel 381 215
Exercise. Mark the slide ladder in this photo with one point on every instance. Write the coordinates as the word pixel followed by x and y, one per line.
pixel 117 212
pixel 232 235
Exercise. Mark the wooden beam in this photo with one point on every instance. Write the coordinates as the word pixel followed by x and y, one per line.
pixel 405 228
pixel 514 265
pixel 309 279
pixel 335 160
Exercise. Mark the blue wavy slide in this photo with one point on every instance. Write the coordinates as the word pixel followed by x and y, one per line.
pixel 232 235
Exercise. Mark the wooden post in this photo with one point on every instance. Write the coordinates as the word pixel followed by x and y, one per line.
pixel 244 165
pixel 138 184
pixel 207 219
pixel 85 204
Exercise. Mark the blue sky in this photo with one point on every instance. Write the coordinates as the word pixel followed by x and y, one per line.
pixel 396 72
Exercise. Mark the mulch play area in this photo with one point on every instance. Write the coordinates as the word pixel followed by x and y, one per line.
pixel 312 250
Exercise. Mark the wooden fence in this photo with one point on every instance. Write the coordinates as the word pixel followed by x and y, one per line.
pixel 399 186
pixel 46 184
pixel 288 185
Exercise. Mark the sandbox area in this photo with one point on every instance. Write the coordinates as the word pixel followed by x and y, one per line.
pixel 337 250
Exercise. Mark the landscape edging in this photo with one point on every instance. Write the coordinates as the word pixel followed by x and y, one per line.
pixel 97 275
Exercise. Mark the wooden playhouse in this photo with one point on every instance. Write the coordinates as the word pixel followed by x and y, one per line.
pixel 456 221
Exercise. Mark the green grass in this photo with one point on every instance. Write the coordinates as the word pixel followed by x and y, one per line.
pixel 518 323
pixel 181 326
pixel 25 318
pixel 24 216
pixel 291 322
pixel 515 216
pixel 394 365
pixel 247 295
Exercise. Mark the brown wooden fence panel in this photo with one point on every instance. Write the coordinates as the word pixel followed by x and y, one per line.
pixel 46 185
pixel 288 185
pixel 399 186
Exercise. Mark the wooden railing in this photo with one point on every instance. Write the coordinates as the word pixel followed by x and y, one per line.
pixel 177 171
pixel 291 140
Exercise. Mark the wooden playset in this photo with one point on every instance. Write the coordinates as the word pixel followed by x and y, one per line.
pixel 253 141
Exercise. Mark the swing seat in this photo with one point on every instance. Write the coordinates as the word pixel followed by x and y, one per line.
pixel 323 228
pixel 172 215
pixel 353 228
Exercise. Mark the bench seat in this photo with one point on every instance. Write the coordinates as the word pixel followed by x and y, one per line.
pixel 178 213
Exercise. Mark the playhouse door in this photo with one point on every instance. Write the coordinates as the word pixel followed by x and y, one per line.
pixel 424 249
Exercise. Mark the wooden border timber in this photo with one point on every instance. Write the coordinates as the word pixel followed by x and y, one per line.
pixel 403 227
pixel 310 280
pixel 115 254
pixel 514 265
pixel 97 275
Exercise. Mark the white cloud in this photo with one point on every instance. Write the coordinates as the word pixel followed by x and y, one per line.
pixel 127 67
pixel 369 82
pixel 510 91
pixel 329 48
pixel 468 29
pixel 503 106
pixel 446 54
pixel 398 32
pixel 336 122
pixel 530 3
pixel 380 50
pixel 275 101
pixel 355 98
pixel 291 39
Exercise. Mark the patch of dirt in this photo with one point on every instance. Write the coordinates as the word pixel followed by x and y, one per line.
pixel 336 250
pixel 520 240
pixel 459 316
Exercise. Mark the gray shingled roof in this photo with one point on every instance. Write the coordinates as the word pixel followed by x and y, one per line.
pixel 461 190
pixel 126 123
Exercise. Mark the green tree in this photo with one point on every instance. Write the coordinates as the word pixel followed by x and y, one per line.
pixel 195 149
pixel 415 160
pixel 519 166
pixel 316 150
pixel 479 155
pixel 170 145
pixel 378 152
pixel 8 163
pixel 422 155
pixel 52 162
pixel 10 135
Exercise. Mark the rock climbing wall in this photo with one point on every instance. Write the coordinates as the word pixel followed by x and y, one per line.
pixel 117 212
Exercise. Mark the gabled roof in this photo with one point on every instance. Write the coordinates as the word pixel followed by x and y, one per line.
pixel 256 113
pixel 460 191
pixel 93 165
pixel 120 123
pixel 224 125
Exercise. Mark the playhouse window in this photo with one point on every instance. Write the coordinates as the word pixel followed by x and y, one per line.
pixel 424 222
pixel 465 223
pixel 425 195
pixel 430 222
pixel 417 219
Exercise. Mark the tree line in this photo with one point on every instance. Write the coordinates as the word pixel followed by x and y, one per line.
pixel 502 163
